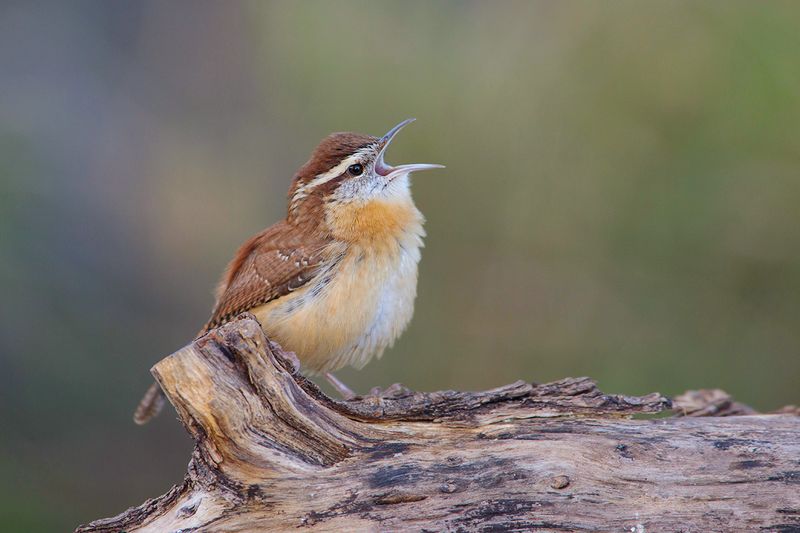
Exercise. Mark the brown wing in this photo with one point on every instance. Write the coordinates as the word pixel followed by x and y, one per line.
pixel 271 264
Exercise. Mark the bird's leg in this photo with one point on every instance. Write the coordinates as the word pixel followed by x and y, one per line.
pixel 340 387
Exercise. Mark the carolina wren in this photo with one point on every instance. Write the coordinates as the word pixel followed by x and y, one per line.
pixel 335 281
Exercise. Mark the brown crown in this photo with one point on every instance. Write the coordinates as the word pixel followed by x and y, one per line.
pixel 330 152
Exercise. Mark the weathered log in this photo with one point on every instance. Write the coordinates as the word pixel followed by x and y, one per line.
pixel 273 453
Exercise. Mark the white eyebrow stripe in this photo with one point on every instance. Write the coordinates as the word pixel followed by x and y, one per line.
pixel 332 173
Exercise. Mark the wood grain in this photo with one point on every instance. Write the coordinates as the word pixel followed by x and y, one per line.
pixel 273 453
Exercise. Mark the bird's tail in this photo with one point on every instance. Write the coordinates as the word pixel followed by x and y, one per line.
pixel 153 400
pixel 150 405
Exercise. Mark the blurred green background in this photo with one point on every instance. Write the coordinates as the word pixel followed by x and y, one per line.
pixel 621 200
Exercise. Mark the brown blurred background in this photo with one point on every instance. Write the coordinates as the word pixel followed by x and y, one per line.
pixel 621 200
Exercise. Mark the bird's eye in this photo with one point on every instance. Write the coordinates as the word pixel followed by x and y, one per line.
pixel 356 170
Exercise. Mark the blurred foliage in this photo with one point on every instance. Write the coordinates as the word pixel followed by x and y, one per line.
pixel 621 200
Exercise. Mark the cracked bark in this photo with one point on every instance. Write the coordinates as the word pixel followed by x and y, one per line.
pixel 274 453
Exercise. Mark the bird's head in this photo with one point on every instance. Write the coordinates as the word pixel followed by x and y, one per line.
pixel 350 168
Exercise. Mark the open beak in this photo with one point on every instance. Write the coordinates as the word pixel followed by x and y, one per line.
pixel 388 171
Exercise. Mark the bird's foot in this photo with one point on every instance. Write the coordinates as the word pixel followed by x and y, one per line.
pixel 292 363
pixel 396 390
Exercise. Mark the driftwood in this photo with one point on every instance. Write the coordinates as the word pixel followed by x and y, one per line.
pixel 273 453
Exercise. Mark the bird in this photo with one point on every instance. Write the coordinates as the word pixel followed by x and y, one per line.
pixel 335 280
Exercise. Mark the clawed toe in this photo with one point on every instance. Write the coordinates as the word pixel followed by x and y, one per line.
pixel 396 390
